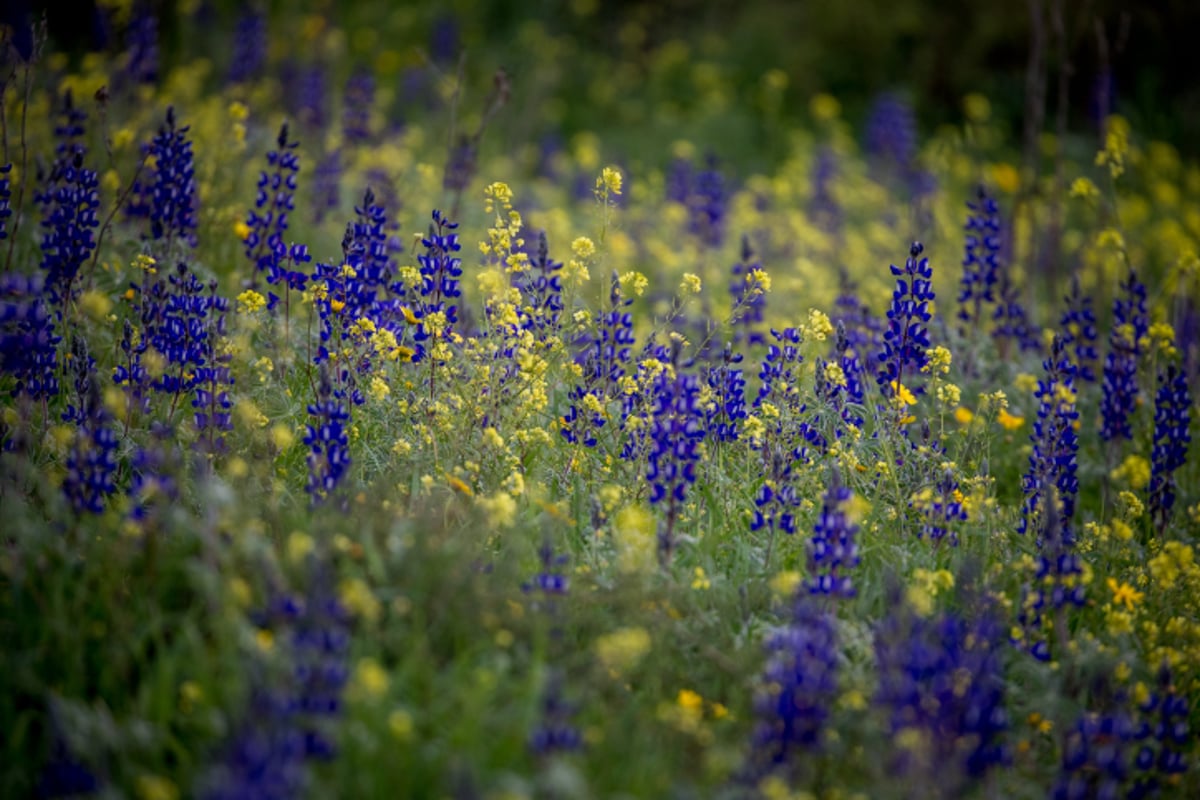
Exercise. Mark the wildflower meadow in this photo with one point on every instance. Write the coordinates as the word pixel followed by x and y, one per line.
pixel 397 402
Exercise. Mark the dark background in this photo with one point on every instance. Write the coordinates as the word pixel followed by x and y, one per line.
pixel 1142 56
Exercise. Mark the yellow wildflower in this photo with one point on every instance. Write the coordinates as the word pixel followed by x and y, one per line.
pixel 939 361
pixel 609 182
pixel 1135 470
pixel 1131 505
pixel 370 680
pixel 1010 422
pixel 145 263
pixel 784 583
pixel 358 599
pixel 1116 146
pixel 583 247
pixel 250 302
pixel 500 507
pixel 977 108
pixel 823 107
pixel 948 394
pixel 1175 559
pixel 622 650
pixel 835 375
pixel 635 282
pixel 400 723
pixel 1083 188
pixel 901 396
pixel 1124 594
pixel 154 787
pixel 759 281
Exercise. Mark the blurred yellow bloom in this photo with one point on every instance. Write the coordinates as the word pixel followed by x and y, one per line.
pixel 1085 189
pixel 155 787
pixel 370 680
pixel 1135 470
pixel 1009 422
pixel 823 107
pixel 622 650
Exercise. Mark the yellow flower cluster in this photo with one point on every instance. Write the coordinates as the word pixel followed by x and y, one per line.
pixel 939 361
pixel 504 243
pixel 1135 470
pixel 609 182
pixel 1116 147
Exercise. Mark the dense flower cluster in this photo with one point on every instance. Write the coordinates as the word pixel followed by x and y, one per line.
pixel 603 364
pixel 906 340
pixel 28 342
pixel 555 732
pixel 832 551
pixel 70 231
pixel 92 462
pixel 1010 320
pixel 440 287
pixel 183 327
pixel 863 330
pixel 707 205
pixel 375 292
pixel 981 263
pixel 541 288
pixel 1052 462
pixel 1162 734
pixel 287 724
pixel 800 685
pixel 358 99
pixel 726 387
pixel 1056 585
pixel 268 220
pixel 1172 418
pixel 211 398
pixel 141 46
pixel 1095 757
pixel 305 89
pixel 749 305
pixel 327 185
pixel 249 46
pixel 1129 326
pixel 777 500
pixel 676 431
pixel 1077 326
pixel 891 133
pixel 779 389
pixel 154 472
pixel 328 441
pixel 839 383
pixel 943 508
pixel 824 206
pixel 941 680
pixel 168 198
